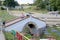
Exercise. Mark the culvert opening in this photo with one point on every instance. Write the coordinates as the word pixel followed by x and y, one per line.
pixel 31 25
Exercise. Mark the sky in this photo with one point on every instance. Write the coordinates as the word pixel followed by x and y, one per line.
pixel 24 1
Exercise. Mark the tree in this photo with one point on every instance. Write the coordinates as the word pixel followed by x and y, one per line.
pixel 10 3
pixel 55 4
pixel 49 4
pixel 0 3
pixel 40 4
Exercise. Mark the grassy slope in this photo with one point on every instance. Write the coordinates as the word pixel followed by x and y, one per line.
pixel 9 36
pixel 32 9
pixel 5 16
pixel 54 34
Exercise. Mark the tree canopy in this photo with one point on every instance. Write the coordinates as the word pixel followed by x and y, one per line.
pixel 55 4
pixel 10 3
pixel 52 4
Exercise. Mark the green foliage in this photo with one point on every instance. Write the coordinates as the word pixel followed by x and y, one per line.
pixel 2 8
pixel 28 35
pixel 0 3
pixel 54 4
pixel 5 16
pixel 40 4
pixel 54 34
pixel 10 3
pixel 9 36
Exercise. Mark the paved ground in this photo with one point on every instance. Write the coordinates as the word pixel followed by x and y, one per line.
pixel 2 37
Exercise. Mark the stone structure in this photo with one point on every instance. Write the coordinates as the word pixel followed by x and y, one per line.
pixel 35 25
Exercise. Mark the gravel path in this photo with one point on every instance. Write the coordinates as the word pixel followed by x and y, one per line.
pixel 2 37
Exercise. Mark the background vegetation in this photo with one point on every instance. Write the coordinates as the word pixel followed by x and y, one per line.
pixel 4 16
pixel 48 4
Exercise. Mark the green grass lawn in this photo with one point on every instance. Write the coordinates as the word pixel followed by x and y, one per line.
pixel 4 16
pixel 9 36
pixel 32 9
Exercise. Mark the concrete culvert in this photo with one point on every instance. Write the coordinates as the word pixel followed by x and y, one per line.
pixel 31 25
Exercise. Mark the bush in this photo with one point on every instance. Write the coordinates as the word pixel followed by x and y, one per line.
pixel 28 35
pixel 2 8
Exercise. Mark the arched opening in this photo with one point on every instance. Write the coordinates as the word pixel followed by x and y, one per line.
pixel 28 26
pixel 31 25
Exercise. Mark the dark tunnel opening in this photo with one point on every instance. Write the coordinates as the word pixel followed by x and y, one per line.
pixel 31 25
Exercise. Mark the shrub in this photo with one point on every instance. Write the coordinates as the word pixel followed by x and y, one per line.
pixel 2 8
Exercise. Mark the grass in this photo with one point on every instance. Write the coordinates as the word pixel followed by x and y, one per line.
pixel 4 16
pixel 57 28
pixel 28 35
pixel 9 36
pixel 32 9
pixel 54 33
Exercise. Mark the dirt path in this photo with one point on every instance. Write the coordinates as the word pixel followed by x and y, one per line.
pixel 2 37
